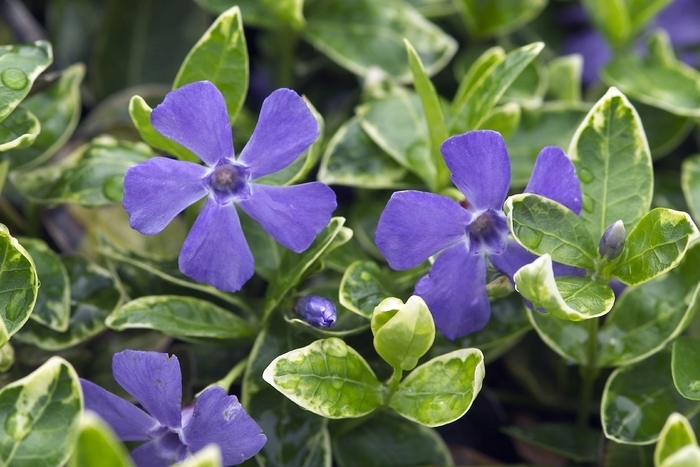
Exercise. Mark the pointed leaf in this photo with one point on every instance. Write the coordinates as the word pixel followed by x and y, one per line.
pixel 19 67
pixel 98 445
pixel 611 18
pixel 687 456
pixel 19 130
pixel 362 288
pixel 675 435
pixel 690 183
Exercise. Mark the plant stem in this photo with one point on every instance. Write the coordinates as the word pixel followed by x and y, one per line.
pixel 394 382
pixel 589 373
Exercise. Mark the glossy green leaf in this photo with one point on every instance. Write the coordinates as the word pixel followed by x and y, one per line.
pixel 52 307
pixel 611 18
pixel 687 456
pixel 91 176
pixel 647 317
pixel 7 353
pixel 220 56
pixel 566 440
pixel 656 244
pixel 570 298
pixel 363 34
pixel 567 338
pixel 638 399
pixel 471 108
pixel 529 87
pixel 93 297
pixel 398 125
pixel 499 17
pixel 38 414
pixel 403 333
pixel 690 183
pixel 180 317
pixel 209 456
pixel 565 77
pixel 98 445
pixel 352 158
pixel 362 288
pixel 19 67
pixel 390 440
pixel 441 390
pixel 327 378
pixel 480 67
pixel 545 226
pixel 504 119
pixel 140 114
pixel 686 374
pixel 19 285
pixel 675 435
pixel 19 130
pixel 264 13
pixel 58 110
pixel 613 163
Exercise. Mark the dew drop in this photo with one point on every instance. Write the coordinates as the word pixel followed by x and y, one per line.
pixel 113 188
pixel 14 78
pixel 529 237
pixel 365 276
pixel 588 204
pixel 585 175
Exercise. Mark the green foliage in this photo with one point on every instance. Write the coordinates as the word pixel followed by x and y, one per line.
pixel 499 17
pixel 20 65
pixel 675 435
pixel 96 444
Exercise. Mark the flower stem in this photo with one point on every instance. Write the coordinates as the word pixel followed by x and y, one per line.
pixel 589 373
pixel 394 382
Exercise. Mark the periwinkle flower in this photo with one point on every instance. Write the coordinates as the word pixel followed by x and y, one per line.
pixel 215 251
pixel 416 225
pixel 316 310
pixel 172 433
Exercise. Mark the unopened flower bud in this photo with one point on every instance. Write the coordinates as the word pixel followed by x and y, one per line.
pixel 613 241
pixel 315 310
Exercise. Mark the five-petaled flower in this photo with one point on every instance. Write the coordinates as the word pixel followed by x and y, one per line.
pixel 416 225
pixel 215 251
pixel 154 379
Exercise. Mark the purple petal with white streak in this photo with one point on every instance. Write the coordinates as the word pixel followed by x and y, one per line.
pixel 220 418
pixel 455 292
pixel 154 379
pixel 215 251
pixel 285 129
pixel 554 177
pixel 480 167
pixel 292 215
pixel 195 116
pixel 127 421
pixel 157 190
pixel 415 225
pixel 161 452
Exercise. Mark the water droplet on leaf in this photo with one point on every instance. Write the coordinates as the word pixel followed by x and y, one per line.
pixel 14 78
pixel 588 204
pixel 113 188
pixel 529 237
pixel 585 175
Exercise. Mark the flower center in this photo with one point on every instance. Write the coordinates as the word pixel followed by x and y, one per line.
pixel 488 232
pixel 229 181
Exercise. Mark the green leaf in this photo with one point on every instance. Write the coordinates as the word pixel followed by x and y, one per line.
pixel 642 11
pixel 611 18
pixel 209 456
pixel 366 34
pixel 638 399
pixel 58 110
pixel 613 163
pixel 499 17
pixel 263 13
pixel 403 333
pixel 655 245
pixel 686 374
pixel 19 130
pixel 52 307
pixel 363 288
pixel 471 108
pixel 570 298
pixel 647 317
pixel 19 67
pixel 352 158
pixel 482 66
pixel 38 414
pixel 327 378
pixel 542 226
pixel 690 183
pixel 220 56
pixel 390 440
pixel 7 353
pixel 91 176
pixel 93 297
pixel 567 338
pixel 398 125
pixel 675 435
pixel 665 130
pixel 504 119
pixel 179 317
pixel 687 456
pixel 98 445
pixel 441 390
pixel 141 116
pixel 566 440
pixel 565 77
pixel 529 87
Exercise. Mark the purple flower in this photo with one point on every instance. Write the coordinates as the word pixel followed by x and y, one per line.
pixel 154 380
pixel 215 251
pixel 315 310
pixel 416 225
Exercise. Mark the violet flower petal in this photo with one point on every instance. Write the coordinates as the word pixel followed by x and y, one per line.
pixel 681 18
pixel 554 177
pixel 455 292
pixel 292 215
pixel 513 258
pixel 127 421
pixel 595 51
pixel 285 129
pixel 415 225
pixel 220 418
pixel 215 251
pixel 158 189
pixel 480 167
pixel 161 452
pixel 195 116
pixel 154 379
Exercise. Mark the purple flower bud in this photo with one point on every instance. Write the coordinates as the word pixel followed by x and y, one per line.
pixel 613 241
pixel 315 310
